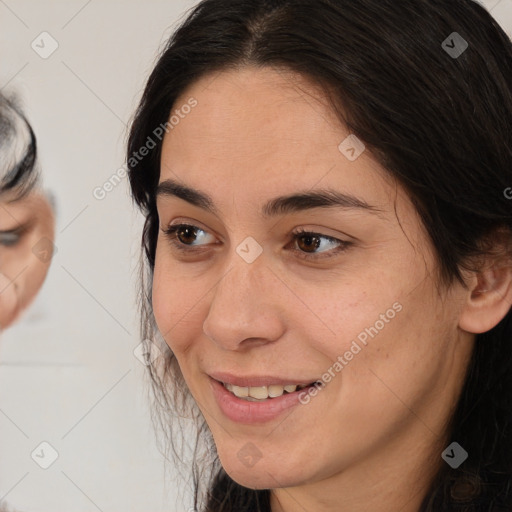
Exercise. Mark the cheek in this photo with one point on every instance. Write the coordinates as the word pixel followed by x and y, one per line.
pixel 377 329
pixel 165 300
pixel 177 301
pixel 401 360
pixel 9 301
pixel 19 279
pixel 351 315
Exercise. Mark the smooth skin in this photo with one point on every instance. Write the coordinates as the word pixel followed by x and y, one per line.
pixel 372 438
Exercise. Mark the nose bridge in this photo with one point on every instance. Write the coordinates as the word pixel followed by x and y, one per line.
pixel 243 306
pixel 243 278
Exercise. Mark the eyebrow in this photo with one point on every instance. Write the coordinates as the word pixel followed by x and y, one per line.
pixel 298 202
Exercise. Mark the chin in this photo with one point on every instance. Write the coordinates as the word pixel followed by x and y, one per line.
pixel 259 480
pixel 262 475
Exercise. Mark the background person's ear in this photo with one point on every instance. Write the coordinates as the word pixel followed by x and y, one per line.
pixel 27 233
pixel 489 298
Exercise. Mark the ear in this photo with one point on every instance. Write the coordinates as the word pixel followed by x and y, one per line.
pixel 27 233
pixel 489 299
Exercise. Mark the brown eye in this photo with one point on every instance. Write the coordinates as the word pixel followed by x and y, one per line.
pixel 315 246
pixel 186 234
pixel 310 243
pixel 187 237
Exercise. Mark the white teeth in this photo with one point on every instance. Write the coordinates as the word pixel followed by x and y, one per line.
pixel 275 390
pixel 237 390
pixel 241 392
pixel 262 392
pixel 259 392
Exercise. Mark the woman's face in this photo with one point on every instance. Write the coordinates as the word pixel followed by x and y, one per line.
pixel 244 298
pixel 26 245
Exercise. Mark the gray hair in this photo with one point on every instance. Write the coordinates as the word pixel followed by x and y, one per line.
pixel 18 149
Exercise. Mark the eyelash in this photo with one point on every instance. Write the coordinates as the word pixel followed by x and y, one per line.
pixel 171 233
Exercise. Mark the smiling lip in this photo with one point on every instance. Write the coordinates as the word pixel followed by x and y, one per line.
pixel 248 412
pixel 262 380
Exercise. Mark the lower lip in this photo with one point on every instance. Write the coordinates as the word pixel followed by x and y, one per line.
pixel 244 411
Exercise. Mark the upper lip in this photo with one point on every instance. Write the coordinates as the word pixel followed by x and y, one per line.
pixel 257 380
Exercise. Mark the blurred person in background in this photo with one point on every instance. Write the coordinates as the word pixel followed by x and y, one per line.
pixel 26 218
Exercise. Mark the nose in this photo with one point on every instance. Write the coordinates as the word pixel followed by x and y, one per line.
pixel 247 307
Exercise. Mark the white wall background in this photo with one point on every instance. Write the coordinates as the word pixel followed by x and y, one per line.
pixel 68 375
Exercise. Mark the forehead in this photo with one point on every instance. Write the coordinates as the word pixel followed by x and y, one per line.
pixel 258 130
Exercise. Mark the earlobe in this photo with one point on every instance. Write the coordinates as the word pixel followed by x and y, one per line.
pixel 488 301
